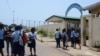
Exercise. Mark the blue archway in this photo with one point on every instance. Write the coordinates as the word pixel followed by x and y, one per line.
pixel 74 5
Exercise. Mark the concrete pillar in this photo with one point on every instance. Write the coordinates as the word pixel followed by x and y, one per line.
pixel 83 25
pixel 90 30
pixel 64 24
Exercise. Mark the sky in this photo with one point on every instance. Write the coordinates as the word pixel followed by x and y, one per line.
pixel 37 10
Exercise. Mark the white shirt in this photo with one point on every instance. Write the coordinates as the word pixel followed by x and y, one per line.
pixel 32 35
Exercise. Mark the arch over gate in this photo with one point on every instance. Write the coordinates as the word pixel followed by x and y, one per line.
pixel 74 5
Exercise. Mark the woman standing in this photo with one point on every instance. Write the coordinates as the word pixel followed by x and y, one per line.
pixel 1 39
pixel 8 39
pixel 32 39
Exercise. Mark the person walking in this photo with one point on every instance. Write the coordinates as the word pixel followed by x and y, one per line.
pixel 32 41
pixel 65 39
pixel 1 39
pixel 72 37
pixel 77 39
pixel 57 37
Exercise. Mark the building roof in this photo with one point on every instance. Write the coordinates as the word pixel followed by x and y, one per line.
pixel 93 6
pixel 59 18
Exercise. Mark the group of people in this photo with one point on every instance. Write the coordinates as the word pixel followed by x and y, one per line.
pixel 17 40
pixel 66 36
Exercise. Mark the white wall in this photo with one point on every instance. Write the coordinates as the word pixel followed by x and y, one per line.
pixel 51 27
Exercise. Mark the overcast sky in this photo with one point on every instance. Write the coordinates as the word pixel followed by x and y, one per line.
pixel 37 10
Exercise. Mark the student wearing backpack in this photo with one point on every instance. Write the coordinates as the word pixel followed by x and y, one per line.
pixel 57 37
pixel 77 39
pixel 17 48
pixel 65 38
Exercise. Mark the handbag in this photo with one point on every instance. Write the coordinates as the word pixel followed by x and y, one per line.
pixel 29 43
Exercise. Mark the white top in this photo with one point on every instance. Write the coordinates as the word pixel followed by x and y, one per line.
pixel 32 35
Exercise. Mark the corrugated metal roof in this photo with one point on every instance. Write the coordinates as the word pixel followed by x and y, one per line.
pixel 64 18
pixel 93 6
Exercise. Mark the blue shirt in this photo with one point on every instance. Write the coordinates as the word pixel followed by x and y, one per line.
pixel 77 34
pixel 64 34
pixel 57 34
pixel 15 36
pixel 72 34
pixel 1 33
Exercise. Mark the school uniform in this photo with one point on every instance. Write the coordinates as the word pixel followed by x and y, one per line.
pixel 77 38
pixel 72 38
pixel 16 46
pixel 57 37
pixel 1 38
pixel 32 37
pixel 64 38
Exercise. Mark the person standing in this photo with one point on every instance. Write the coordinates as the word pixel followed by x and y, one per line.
pixel 65 38
pixel 16 35
pixel 1 39
pixel 8 39
pixel 57 37
pixel 24 40
pixel 32 40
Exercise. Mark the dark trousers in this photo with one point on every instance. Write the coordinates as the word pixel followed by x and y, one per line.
pixel 23 51
pixel 72 42
pixel 9 41
pixel 57 42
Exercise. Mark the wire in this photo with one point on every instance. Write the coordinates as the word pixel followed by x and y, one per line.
pixel 8 5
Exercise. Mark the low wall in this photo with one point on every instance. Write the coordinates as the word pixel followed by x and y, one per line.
pixel 51 27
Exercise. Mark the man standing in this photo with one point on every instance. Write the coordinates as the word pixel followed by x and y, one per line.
pixel 57 37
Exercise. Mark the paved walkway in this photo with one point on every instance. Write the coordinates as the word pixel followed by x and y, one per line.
pixel 43 50
pixel 85 51
pixel 47 48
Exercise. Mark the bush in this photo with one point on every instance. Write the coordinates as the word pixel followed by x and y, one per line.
pixel 28 30
pixel 42 32
pixel 97 44
pixel 51 34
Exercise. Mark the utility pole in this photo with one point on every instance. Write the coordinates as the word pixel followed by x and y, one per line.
pixel 34 23
pixel 22 21
pixel 13 17
pixel 29 22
